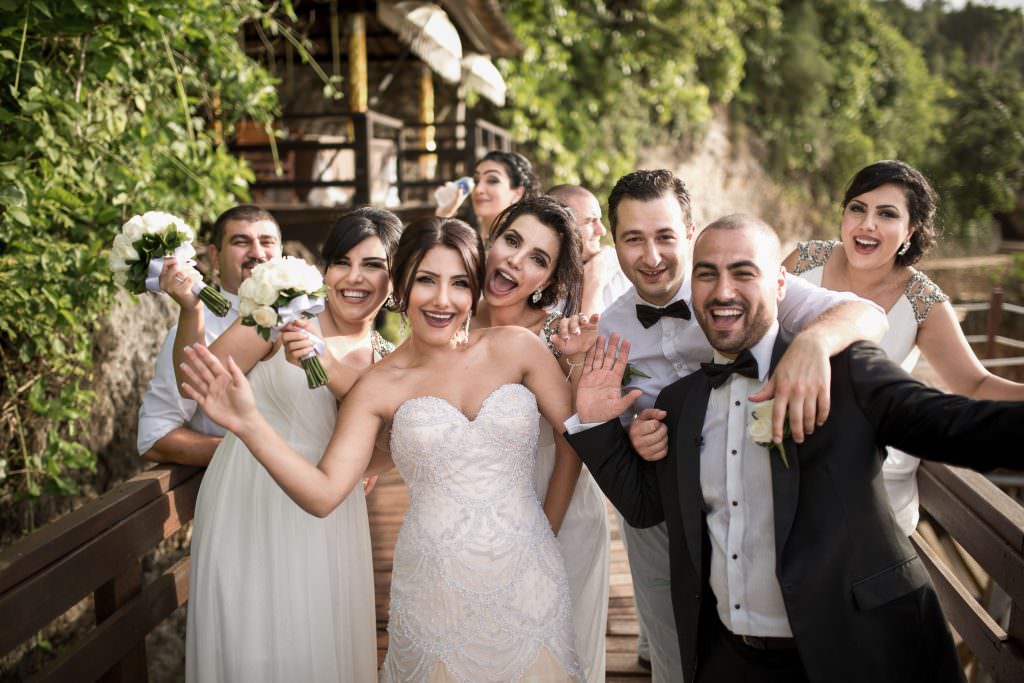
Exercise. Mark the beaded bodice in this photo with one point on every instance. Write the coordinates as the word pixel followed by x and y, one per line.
pixel 920 292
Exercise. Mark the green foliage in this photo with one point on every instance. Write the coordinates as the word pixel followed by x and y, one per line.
pixel 106 109
pixel 599 81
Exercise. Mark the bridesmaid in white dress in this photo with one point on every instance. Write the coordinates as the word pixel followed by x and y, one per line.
pixel 534 264
pixel 277 594
pixel 887 226
pixel 479 590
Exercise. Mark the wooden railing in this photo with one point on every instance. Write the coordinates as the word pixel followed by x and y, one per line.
pixel 97 551
pixel 988 525
pixel 995 309
pixel 457 149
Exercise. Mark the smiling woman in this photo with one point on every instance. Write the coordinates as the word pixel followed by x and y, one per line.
pixel 886 227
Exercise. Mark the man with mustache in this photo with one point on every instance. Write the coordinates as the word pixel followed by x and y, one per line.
pixel 651 222
pixel 171 428
pixel 786 562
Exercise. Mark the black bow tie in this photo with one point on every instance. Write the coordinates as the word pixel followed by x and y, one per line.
pixel 648 315
pixel 745 364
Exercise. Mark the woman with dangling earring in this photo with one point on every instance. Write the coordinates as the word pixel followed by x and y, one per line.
pixel 887 226
pixel 533 278
pixel 276 594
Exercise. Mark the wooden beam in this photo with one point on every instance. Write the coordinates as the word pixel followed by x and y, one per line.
pixel 358 86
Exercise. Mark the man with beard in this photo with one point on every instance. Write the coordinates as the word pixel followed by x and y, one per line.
pixel 787 564
pixel 171 428
pixel 651 222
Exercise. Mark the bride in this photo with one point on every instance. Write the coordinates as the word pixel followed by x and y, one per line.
pixel 479 589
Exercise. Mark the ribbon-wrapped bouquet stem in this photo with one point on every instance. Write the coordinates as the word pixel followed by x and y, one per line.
pixel 141 247
pixel 278 292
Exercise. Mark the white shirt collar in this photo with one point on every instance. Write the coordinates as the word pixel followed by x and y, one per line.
pixel 761 351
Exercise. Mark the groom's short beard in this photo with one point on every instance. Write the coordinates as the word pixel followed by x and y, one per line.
pixel 758 322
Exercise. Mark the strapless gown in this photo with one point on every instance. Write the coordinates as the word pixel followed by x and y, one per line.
pixel 479 590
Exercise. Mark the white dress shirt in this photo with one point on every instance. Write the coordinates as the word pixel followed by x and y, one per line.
pixel 614 282
pixel 736 481
pixel 163 408
pixel 673 348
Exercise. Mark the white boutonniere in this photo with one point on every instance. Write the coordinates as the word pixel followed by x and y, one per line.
pixel 760 429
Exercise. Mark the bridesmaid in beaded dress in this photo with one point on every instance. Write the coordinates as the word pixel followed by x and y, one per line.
pixel 887 226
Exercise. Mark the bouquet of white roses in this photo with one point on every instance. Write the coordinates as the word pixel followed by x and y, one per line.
pixel 280 291
pixel 141 247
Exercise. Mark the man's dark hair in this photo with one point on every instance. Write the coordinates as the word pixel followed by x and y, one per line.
pixel 247 213
pixel 647 186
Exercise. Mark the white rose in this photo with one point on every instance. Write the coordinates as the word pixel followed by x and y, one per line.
pixel 760 426
pixel 264 293
pixel 117 264
pixel 124 249
pixel 246 290
pixel 157 222
pixel 312 280
pixel 245 307
pixel 265 316
pixel 134 229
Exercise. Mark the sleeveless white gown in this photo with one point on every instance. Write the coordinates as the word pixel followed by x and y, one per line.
pixel 899 471
pixel 276 594
pixel 478 591
pixel 585 543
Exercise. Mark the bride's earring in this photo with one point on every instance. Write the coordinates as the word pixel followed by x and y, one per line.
pixel 389 303
pixel 536 296
pixel 402 325
pixel 462 336
pixel 904 249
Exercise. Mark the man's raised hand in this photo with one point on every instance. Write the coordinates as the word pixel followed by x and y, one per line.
pixel 599 394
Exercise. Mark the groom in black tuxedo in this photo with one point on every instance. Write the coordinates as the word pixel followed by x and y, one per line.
pixel 787 564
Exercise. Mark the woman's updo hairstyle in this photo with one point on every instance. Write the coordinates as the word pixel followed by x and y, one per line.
pixel 519 169
pixel 419 237
pixel 354 227
pixel 922 201
pixel 567 277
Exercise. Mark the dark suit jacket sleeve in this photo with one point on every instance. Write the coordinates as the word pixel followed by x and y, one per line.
pixel 930 424
pixel 629 481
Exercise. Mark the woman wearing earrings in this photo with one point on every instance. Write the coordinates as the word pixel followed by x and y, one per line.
pixel 887 226
pixel 500 180
pixel 276 594
pixel 479 590
pixel 534 264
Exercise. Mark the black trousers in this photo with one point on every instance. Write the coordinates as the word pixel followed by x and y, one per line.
pixel 724 658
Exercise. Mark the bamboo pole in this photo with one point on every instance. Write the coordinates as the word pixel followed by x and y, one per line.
pixel 358 88
pixel 428 133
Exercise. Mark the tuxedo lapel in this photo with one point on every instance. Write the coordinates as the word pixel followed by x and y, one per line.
pixel 785 479
pixel 687 453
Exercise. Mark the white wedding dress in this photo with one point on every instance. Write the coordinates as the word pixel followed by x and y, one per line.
pixel 479 591
pixel 585 544
pixel 276 594
pixel 899 471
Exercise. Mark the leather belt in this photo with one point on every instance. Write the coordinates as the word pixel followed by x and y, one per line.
pixel 767 643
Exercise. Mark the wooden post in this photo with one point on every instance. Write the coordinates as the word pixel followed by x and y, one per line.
pixel 995 314
pixel 358 88
pixel 107 599
pixel 428 134
pixel 362 125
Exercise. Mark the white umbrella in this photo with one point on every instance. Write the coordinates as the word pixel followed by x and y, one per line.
pixel 428 32
pixel 480 74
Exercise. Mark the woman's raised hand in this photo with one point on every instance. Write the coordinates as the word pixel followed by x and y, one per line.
pixel 297 343
pixel 222 392
pixel 576 334
pixel 176 280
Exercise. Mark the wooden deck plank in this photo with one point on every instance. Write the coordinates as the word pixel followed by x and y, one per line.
pixel 387 505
